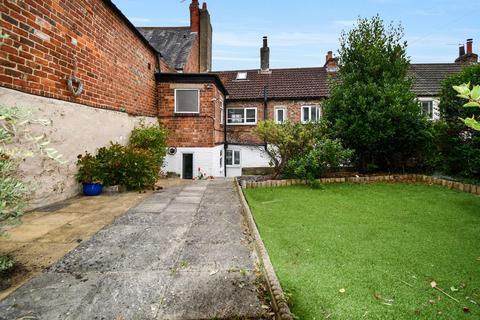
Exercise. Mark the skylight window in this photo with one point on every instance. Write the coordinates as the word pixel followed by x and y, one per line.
pixel 242 76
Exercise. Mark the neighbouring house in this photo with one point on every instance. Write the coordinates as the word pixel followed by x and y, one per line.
pixel 147 74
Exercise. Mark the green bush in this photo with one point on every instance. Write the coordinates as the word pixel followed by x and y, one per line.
pixel 89 169
pixel 153 138
pixel 6 263
pixel 131 167
pixel 323 154
pixel 458 146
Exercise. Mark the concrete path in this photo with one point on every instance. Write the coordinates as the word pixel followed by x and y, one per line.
pixel 179 254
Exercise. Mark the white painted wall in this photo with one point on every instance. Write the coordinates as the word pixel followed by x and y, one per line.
pixel 250 157
pixel 74 129
pixel 207 159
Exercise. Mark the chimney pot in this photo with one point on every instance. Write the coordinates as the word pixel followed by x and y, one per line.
pixel 461 51
pixel 469 45
pixel 204 6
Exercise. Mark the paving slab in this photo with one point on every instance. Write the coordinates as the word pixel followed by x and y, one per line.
pixel 181 253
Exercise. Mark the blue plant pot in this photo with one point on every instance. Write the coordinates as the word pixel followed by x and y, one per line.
pixel 92 189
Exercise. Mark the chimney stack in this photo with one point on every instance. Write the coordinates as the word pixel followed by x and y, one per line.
pixel 265 57
pixel 194 16
pixel 461 50
pixel 467 57
pixel 469 45
pixel 331 63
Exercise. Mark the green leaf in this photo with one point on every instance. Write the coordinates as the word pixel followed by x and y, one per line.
pixel 463 89
pixel 472 104
pixel 475 93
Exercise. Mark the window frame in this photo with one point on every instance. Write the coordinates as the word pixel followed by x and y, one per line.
pixel 233 151
pixel 285 116
pixel 318 113
pixel 198 101
pixel 222 111
pixel 244 123
pixel 431 115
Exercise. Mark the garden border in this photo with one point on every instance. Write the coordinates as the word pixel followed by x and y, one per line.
pixel 280 305
pixel 463 187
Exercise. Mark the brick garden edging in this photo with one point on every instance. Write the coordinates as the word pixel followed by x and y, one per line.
pixel 464 187
pixel 279 302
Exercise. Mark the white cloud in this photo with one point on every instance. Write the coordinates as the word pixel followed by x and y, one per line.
pixel 344 23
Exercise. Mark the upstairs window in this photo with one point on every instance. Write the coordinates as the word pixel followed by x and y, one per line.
pixel 187 101
pixel 222 114
pixel 280 115
pixel 427 108
pixel 232 158
pixel 242 116
pixel 310 114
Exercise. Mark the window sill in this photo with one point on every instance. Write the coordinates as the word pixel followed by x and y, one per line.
pixel 187 114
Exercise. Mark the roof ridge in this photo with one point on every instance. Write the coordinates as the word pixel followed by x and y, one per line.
pixel 166 28
pixel 275 69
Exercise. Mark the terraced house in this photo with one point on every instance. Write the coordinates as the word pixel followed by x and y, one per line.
pixel 86 67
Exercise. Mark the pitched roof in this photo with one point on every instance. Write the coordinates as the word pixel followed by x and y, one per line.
pixel 303 83
pixel 281 83
pixel 174 43
pixel 429 76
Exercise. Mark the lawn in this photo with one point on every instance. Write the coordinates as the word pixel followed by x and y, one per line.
pixel 350 251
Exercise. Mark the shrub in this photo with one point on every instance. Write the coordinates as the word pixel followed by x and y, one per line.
pixel 458 145
pixel 284 141
pixel 89 169
pixel 131 167
pixel 372 106
pixel 153 138
pixel 312 163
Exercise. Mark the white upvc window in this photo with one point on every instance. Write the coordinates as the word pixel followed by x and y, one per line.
pixel 427 108
pixel 242 116
pixel 187 101
pixel 280 115
pixel 222 112
pixel 311 113
pixel 232 158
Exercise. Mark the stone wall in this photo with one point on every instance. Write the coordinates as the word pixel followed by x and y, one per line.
pixel 74 129
pixel 49 38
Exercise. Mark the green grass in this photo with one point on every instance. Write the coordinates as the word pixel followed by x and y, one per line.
pixel 382 243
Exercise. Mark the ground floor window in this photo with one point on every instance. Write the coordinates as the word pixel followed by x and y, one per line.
pixel 310 114
pixel 221 158
pixel 427 108
pixel 232 158
pixel 280 115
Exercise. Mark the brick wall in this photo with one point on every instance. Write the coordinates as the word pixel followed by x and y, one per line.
pixel 191 130
pixel 115 66
pixel 243 133
pixel 192 63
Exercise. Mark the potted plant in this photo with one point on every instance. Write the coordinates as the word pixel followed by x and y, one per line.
pixel 90 174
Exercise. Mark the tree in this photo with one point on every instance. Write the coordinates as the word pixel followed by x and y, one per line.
pixel 300 150
pixel 458 146
pixel 371 106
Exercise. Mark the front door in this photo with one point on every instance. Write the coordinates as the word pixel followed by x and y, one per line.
pixel 187 166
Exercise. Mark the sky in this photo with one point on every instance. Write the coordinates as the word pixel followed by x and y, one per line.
pixel 301 32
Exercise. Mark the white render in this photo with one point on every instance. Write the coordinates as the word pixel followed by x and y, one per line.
pixel 250 157
pixel 205 159
pixel 74 129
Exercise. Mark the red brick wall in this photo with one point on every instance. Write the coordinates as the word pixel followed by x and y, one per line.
pixel 191 130
pixel 243 133
pixel 192 63
pixel 115 66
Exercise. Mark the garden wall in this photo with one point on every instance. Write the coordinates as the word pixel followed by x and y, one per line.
pixel 469 188
pixel 74 129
